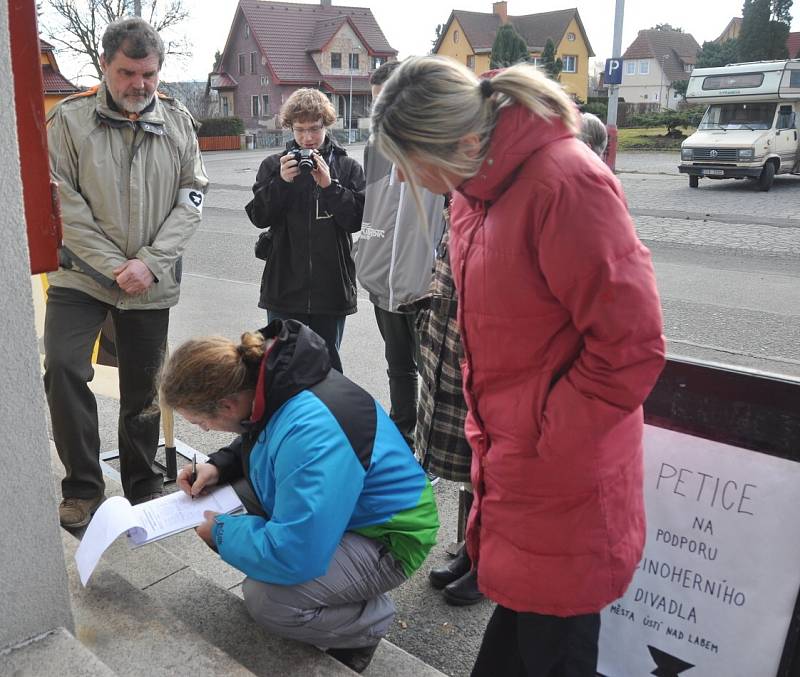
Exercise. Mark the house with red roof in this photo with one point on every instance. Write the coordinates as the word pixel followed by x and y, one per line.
pixel 56 86
pixel 653 63
pixel 468 37
pixel 274 48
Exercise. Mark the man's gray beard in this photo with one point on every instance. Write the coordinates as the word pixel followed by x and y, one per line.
pixel 134 107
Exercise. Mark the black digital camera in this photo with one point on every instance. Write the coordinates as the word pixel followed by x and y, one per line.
pixel 305 159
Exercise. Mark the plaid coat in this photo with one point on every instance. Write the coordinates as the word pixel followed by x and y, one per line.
pixel 439 437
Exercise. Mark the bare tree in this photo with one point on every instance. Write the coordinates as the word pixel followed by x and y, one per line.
pixel 193 95
pixel 76 26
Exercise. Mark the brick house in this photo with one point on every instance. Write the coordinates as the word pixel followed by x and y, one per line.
pixel 56 86
pixel 274 48
pixel 652 63
pixel 468 37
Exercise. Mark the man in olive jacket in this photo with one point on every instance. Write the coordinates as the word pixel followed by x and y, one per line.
pixel 132 183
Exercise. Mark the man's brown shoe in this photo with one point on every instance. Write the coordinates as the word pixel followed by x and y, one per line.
pixel 75 513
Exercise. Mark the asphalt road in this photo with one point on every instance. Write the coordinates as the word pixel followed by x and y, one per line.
pixel 728 265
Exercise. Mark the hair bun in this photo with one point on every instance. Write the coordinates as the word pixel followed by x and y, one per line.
pixel 487 89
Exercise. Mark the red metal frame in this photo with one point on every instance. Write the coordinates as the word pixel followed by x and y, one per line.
pixel 40 195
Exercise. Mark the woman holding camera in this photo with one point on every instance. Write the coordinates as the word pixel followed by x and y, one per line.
pixel 561 328
pixel 311 197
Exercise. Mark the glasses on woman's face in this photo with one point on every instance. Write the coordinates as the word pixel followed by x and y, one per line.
pixel 311 130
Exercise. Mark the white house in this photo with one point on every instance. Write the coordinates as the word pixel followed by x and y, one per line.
pixel 654 61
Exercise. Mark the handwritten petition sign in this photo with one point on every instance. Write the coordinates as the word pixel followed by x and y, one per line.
pixel 716 587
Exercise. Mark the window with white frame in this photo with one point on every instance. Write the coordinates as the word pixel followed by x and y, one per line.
pixel 247 30
pixel 687 68
pixel 254 107
pixel 471 62
pixel 225 104
pixel 353 62
pixel 265 105
pixel 630 68
pixel 570 63
pixel 253 62
pixel 456 36
pixel 644 67
pixel 536 61
pixel 241 64
pixel 264 82
pixel 336 60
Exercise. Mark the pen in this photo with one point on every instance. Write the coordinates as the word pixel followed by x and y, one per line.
pixel 193 477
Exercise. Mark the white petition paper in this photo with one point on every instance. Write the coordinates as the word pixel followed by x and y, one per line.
pixel 146 522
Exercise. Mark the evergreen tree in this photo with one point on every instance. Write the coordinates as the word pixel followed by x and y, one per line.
pixel 439 29
pixel 508 48
pixel 666 27
pixel 765 27
pixel 714 54
pixel 552 65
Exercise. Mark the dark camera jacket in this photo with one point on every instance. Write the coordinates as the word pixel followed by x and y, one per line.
pixel 310 268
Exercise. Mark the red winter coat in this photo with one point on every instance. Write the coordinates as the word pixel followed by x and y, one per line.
pixel 561 326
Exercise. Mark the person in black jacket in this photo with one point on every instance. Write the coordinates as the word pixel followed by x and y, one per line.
pixel 310 274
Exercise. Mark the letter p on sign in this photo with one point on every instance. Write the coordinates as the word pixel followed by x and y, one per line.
pixel 613 73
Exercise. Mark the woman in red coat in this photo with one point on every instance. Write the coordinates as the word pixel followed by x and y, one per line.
pixel 562 333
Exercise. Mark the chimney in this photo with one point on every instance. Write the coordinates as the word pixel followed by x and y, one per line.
pixel 325 3
pixel 501 10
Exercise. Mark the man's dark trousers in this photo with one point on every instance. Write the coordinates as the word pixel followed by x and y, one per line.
pixel 72 322
pixel 401 347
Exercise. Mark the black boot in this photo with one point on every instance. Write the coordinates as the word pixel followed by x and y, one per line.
pixel 464 591
pixel 452 571
pixel 356 659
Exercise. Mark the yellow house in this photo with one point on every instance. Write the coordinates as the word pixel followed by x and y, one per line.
pixel 56 86
pixel 468 38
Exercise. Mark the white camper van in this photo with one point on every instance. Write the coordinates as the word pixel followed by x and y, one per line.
pixel 750 128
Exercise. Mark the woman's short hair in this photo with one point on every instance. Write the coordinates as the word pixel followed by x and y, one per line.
pixel 594 133
pixel 430 103
pixel 204 371
pixel 307 105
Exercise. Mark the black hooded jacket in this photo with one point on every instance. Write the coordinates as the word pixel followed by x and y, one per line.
pixel 310 268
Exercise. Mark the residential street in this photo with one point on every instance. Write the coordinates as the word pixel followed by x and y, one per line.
pixel 728 266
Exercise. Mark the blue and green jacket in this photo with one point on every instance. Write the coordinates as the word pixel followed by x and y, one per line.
pixel 323 457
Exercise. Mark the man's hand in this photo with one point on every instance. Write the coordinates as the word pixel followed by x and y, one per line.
pixel 204 530
pixel 289 170
pixel 322 173
pixel 134 277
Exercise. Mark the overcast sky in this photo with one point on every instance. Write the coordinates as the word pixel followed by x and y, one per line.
pixel 410 25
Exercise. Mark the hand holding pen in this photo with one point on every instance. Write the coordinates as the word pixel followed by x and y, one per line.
pixel 194 479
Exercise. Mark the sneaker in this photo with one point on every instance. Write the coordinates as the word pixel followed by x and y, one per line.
pixel 75 513
pixel 355 659
pixel 433 479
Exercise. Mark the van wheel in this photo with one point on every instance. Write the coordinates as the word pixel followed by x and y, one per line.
pixel 694 181
pixel 767 177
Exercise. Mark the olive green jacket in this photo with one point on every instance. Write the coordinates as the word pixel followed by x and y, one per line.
pixel 129 189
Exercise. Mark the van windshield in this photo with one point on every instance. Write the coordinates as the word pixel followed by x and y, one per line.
pixel 739 116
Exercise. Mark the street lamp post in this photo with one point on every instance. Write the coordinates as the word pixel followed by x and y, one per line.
pixel 357 49
pixel 661 88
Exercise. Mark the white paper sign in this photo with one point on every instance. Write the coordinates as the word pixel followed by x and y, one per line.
pixel 716 588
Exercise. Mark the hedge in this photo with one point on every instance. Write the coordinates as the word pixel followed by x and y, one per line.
pixel 232 126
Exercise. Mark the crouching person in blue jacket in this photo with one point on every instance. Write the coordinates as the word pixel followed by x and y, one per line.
pixel 342 512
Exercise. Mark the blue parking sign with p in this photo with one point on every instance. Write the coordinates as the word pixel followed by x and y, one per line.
pixel 613 74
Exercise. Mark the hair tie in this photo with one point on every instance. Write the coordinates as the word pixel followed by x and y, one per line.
pixel 486 88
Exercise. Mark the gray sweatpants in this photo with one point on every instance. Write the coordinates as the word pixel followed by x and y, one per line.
pixel 346 608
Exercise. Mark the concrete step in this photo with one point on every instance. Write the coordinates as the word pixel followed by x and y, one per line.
pixel 54 654
pixel 134 634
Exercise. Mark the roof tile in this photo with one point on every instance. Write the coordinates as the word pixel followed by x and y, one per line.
pixel 55 83
pixel 673 49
